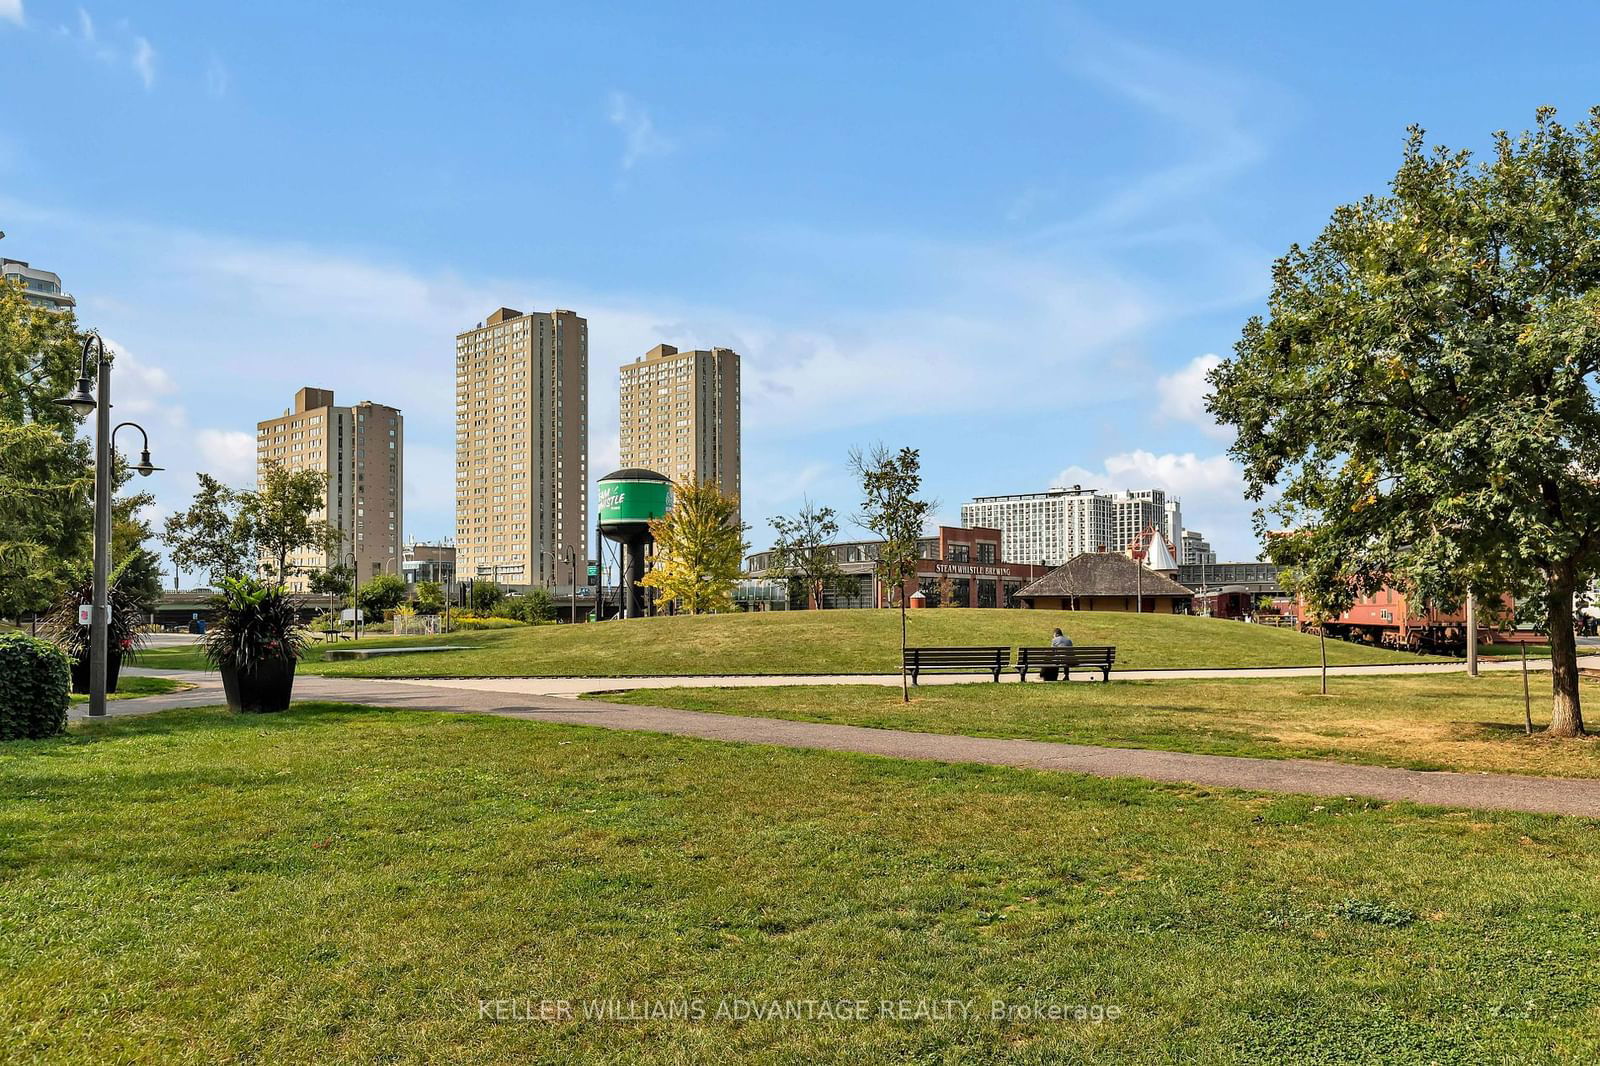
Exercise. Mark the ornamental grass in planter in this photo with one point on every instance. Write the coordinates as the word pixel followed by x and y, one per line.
pixel 124 639
pixel 254 640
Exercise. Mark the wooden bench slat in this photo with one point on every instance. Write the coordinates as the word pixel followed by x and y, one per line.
pixel 990 659
pixel 1094 656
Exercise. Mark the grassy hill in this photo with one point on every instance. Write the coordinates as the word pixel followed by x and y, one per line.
pixel 822 642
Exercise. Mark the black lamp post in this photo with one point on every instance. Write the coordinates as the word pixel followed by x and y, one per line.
pixel 82 400
pixel 355 591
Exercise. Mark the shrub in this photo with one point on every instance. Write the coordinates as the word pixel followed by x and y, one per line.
pixel 467 622
pixel 125 623
pixel 34 676
pixel 252 623
pixel 532 606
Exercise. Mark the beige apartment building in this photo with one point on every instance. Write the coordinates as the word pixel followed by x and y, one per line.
pixel 680 415
pixel 522 448
pixel 361 451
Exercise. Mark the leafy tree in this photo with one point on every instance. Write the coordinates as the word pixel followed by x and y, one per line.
pixel 847 586
pixel 278 514
pixel 45 520
pixel 235 532
pixel 699 548
pixel 483 595
pixel 331 582
pixel 535 605
pixel 212 536
pixel 46 481
pixel 890 482
pixel 139 567
pixel 383 593
pixel 803 551
pixel 1421 393
pixel 430 597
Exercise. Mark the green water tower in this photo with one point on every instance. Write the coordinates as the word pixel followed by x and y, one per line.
pixel 628 500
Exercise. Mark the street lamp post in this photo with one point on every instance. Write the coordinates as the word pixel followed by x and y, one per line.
pixel 82 401
pixel 355 592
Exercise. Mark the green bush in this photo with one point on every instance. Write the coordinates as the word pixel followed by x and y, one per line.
pixel 34 677
pixel 467 622
pixel 532 606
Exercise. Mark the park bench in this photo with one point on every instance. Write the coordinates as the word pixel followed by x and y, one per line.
pixel 956 661
pixel 1087 656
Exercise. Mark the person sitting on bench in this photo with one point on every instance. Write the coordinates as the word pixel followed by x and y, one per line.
pixel 1060 640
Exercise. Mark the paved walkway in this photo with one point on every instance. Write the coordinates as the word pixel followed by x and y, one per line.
pixel 581 686
pixel 1509 792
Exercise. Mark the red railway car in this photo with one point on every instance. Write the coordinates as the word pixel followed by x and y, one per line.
pixel 1388 619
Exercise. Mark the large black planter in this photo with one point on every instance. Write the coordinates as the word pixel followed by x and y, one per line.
pixel 266 688
pixel 80 672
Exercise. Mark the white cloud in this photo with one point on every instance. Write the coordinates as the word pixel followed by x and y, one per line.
pixel 144 61
pixel 229 455
pixel 217 78
pixel 965 314
pixel 1183 395
pixel 1211 488
pixel 123 47
pixel 640 138
pixel 11 11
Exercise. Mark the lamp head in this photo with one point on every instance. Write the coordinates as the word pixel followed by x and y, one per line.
pixel 145 467
pixel 81 400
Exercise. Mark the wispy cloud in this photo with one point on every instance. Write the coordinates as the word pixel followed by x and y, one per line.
pixel 144 61
pixel 11 11
pixel 640 138
pixel 1210 123
pixel 1210 486
pixel 217 77
pixel 121 48
pixel 1183 395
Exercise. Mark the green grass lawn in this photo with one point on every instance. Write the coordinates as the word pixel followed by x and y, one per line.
pixel 132 686
pixel 821 642
pixel 345 884
pixel 1429 722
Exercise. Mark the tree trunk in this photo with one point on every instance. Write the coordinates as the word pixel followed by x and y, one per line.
pixel 905 690
pixel 1566 714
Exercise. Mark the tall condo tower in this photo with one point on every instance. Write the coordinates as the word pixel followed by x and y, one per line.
pixel 679 415
pixel 522 449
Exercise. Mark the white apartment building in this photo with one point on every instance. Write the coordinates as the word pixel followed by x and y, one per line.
pixel 42 288
pixel 1055 526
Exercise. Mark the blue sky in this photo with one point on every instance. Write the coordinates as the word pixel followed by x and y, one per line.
pixel 1009 235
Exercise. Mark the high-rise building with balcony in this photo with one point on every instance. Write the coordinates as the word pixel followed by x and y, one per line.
pixel 42 288
pixel 522 449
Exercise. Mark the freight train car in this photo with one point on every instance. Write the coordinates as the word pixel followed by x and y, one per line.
pixel 1388 619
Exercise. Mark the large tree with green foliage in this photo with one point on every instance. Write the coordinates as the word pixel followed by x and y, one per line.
pixel 890 508
pixel 803 552
pixel 699 548
pixel 232 532
pixel 1421 394
pixel 279 513
pixel 46 476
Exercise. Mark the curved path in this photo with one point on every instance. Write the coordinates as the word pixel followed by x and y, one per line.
pixel 1508 792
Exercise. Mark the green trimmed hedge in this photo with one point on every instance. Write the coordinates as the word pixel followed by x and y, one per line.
pixel 34 678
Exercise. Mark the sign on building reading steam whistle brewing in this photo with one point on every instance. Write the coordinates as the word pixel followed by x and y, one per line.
pixel 633 501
